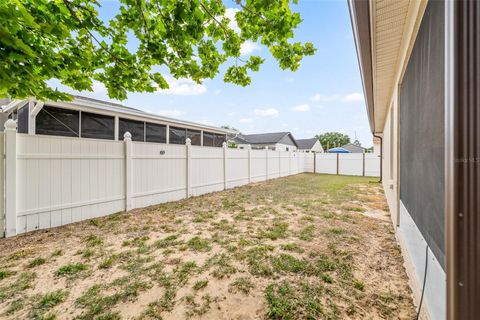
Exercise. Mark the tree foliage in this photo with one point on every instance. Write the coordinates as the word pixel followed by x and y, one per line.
pixel 333 139
pixel 66 40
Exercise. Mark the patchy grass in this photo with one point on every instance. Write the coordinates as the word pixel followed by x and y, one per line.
pixel 291 248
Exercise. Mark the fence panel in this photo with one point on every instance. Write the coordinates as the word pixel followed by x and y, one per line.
pixel 159 173
pixel 372 165
pixel 273 164
pixel 258 165
pixel 237 167
pixel 326 163
pixel 207 173
pixel 350 164
pixel 309 161
pixel 62 180
pixel 284 169
pixel 2 184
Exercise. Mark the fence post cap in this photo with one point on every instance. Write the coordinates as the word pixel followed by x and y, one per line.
pixel 11 125
pixel 224 145
pixel 188 142
pixel 127 136
pixel 266 147
pixel 249 146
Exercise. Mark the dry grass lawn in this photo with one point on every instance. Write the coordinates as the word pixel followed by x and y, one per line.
pixel 302 247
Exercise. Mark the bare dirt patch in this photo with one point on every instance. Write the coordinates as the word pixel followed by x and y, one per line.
pixel 303 247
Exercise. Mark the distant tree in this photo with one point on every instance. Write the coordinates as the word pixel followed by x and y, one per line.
pixel 332 139
pixel 228 127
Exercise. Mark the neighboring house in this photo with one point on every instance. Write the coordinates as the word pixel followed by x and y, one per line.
pixel 354 148
pixel 420 71
pixel 280 141
pixel 90 118
pixel 309 145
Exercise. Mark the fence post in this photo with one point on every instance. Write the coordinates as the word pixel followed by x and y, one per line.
pixel 10 178
pixel 314 162
pixel 188 153
pixel 363 165
pixel 279 163
pixel 127 139
pixel 249 150
pixel 224 146
pixel 338 160
pixel 266 162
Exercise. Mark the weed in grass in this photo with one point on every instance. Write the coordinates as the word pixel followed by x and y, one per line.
pixel 198 244
pixel 15 306
pixel 288 263
pixel 196 309
pixel 307 233
pixel 87 253
pixel 242 284
pixel 359 285
pixel 93 240
pixel 24 282
pixel 155 308
pixel 36 262
pixel 5 274
pixel 200 284
pixel 257 260
pixel 288 302
pixel 185 271
pixel 166 242
pixel 47 302
pixel 329 215
pixel 107 263
pixel 71 269
pixel 242 242
pixel 21 254
pixel 57 253
pixel 279 230
pixel 335 231
pixel 222 266
pixel 293 247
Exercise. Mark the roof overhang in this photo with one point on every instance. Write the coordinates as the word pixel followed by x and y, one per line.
pixel 384 32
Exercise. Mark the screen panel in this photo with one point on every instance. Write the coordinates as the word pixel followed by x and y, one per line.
pixel 136 129
pixel 156 133
pixel 195 137
pixel 97 126
pixel 177 135
pixel 422 131
pixel 57 122
pixel 208 139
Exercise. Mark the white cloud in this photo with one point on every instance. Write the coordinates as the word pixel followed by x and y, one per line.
pixel 217 92
pixel 245 120
pixel 171 113
pixel 353 97
pixel 230 14
pixel 248 47
pixel 269 112
pixel 319 97
pixel 182 87
pixel 301 108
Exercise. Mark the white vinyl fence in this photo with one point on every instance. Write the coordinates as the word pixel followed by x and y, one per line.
pixel 351 164
pixel 49 181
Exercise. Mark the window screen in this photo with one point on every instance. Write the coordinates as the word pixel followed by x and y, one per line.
pixel 156 133
pixel 57 122
pixel 97 126
pixel 22 119
pixel 136 129
pixel 177 135
pixel 195 137
pixel 422 178
pixel 208 139
pixel 219 139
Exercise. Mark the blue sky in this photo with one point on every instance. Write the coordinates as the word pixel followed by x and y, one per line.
pixel 325 94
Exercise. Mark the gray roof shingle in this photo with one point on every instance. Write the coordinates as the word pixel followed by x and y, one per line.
pixel 262 138
pixel 306 143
